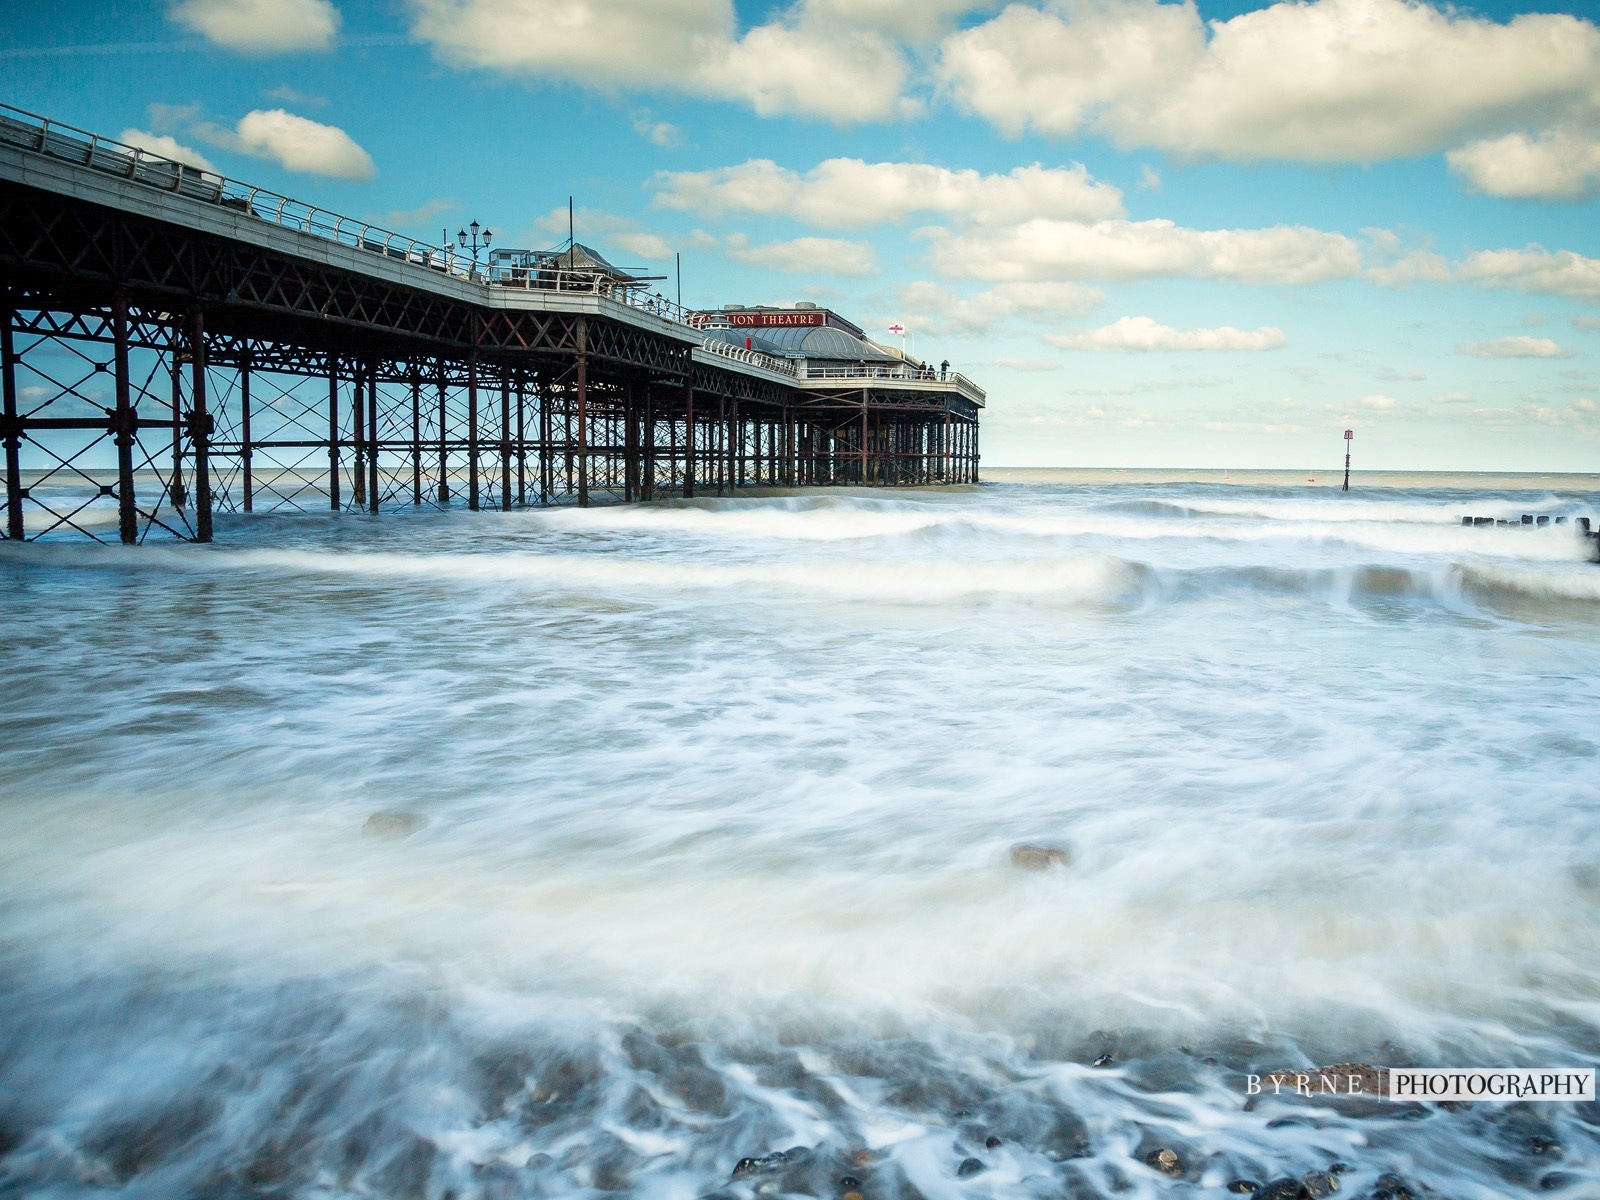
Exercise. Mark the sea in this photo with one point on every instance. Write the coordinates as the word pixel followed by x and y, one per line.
pixel 670 850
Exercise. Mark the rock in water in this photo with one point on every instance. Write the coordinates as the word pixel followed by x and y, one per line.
pixel 1319 1184
pixel 969 1166
pixel 389 824
pixel 1031 857
pixel 1166 1161
pixel 1244 1187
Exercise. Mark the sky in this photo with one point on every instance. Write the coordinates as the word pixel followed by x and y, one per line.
pixel 1208 235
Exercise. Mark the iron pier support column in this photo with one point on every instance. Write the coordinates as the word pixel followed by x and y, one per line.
pixel 358 436
pixel 505 439
pixel 372 437
pixel 719 448
pixel 630 442
pixel 177 492
pixel 547 462
pixel 246 452
pixel 688 431
pixel 647 486
pixel 583 413
pixel 416 437
pixel 13 432
pixel 444 445
pixel 863 437
pixel 125 423
pixel 522 439
pixel 333 433
pixel 472 430
pixel 202 430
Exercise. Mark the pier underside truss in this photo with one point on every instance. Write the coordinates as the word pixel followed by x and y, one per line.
pixel 154 376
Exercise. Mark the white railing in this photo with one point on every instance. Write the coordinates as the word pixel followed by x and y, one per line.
pixel 754 358
pixel 18 127
pixel 897 371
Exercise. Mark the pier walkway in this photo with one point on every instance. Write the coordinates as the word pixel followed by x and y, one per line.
pixel 174 343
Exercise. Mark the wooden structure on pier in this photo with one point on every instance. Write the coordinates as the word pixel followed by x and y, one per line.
pixel 175 344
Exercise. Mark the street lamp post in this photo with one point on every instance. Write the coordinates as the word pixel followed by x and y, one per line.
pixel 473 243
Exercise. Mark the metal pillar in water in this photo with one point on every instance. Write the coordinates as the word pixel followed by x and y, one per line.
pixel 125 422
pixel 333 434
pixel 372 438
pixel 13 432
pixel 200 433
pixel 246 450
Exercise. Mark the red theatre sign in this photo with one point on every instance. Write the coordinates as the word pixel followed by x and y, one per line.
pixel 770 320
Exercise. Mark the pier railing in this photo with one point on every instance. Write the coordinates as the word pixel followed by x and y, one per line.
pixel 898 371
pixel 18 127
pixel 754 358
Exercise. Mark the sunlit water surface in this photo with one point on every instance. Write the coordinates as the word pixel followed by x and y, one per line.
pixel 714 806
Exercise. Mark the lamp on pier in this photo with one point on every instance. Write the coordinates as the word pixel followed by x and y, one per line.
pixel 473 242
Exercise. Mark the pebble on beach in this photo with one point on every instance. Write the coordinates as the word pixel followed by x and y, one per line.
pixel 390 824
pixel 1030 856
pixel 1166 1161
pixel 1319 1184
pixel 1282 1189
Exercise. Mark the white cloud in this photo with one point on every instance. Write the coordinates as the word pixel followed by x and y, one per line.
pixel 1586 324
pixel 850 193
pixel 1419 266
pixel 410 218
pixel 806 255
pixel 1379 402
pixel 933 309
pixel 913 20
pixel 1534 269
pixel 1028 364
pixel 659 133
pixel 1557 165
pixel 1452 398
pixel 294 143
pixel 1514 347
pixel 1144 334
pixel 1046 249
pixel 643 244
pixel 166 147
pixel 1324 81
pixel 284 94
pixel 798 68
pixel 261 26
pixel 609 230
pixel 800 62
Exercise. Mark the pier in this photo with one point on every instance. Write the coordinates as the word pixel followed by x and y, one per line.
pixel 176 344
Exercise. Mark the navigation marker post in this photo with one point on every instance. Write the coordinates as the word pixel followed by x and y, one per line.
pixel 1348 434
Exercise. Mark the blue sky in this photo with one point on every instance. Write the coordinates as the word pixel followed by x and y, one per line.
pixel 1159 234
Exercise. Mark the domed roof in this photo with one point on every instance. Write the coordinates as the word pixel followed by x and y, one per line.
pixel 822 341
pixel 738 337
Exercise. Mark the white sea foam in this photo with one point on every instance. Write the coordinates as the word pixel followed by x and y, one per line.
pixel 714 806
